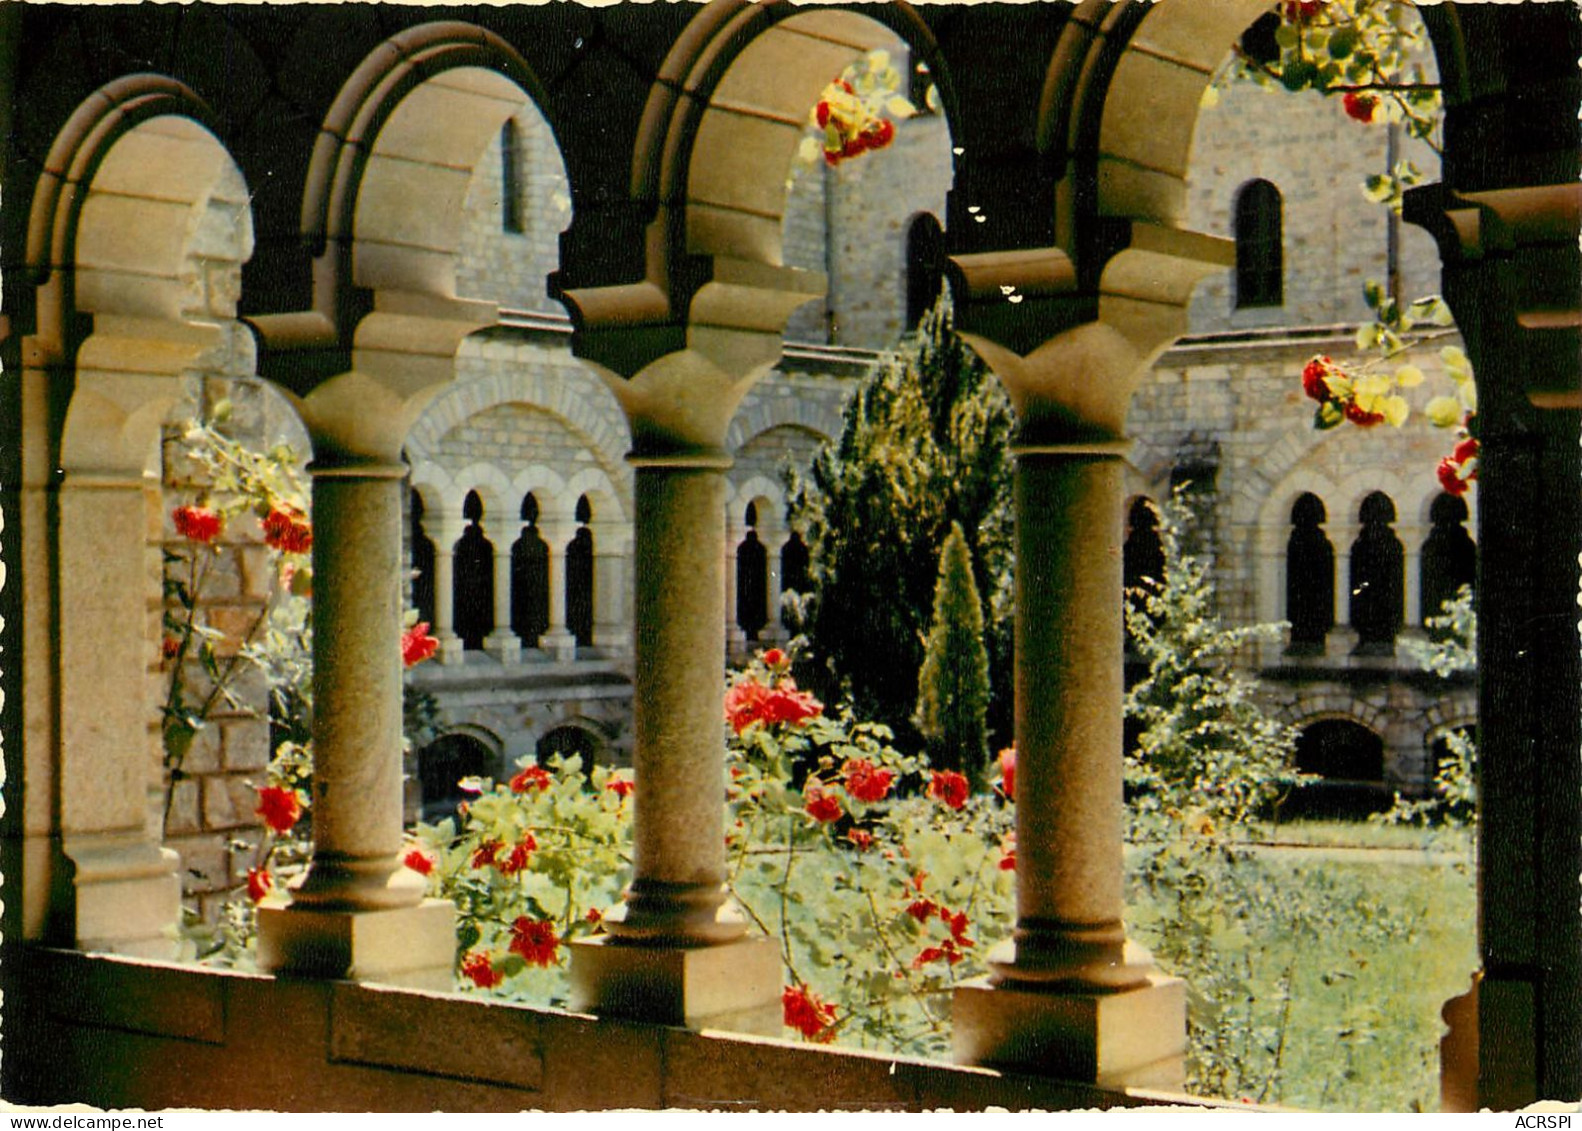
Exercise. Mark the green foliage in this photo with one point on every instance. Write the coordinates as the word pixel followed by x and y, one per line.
pixel 953 687
pixel 1452 647
pixel 1206 748
pixel 923 445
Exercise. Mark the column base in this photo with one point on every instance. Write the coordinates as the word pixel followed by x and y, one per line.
pixel 504 646
pixel 733 986
pixel 1127 1039
pixel 402 946
pixel 126 895
pixel 451 650
pixel 561 646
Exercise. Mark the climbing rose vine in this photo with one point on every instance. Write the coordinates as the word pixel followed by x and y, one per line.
pixel 857 112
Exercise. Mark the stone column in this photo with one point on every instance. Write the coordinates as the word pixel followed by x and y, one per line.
pixel 357 912
pixel 127 896
pixel 1342 638
pixel 444 626
pixel 735 637
pixel 774 545
pixel 557 639
pixel 1068 991
pixel 503 643
pixel 1411 535
pixel 678 951
pixel 612 625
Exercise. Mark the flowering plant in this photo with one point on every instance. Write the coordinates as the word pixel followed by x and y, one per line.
pixel 854 113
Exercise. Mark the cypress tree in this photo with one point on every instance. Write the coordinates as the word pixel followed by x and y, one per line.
pixel 953 686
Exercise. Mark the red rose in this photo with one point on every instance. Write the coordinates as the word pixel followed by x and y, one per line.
pixel 947 950
pixel 279 807
pixel 958 927
pixel 822 805
pixel 1360 107
pixel 786 704
pixel 169 646
pixel 485 854
pixel 1449 472
pixel 1313 379
pixel 774 657
pixel 922 909
pixel 621 787
pixel 1008 773
pixel 535 940
pixel 1008 852
pixel 198 524
pixel 519 856
pixel 419 861
pixel 417 645
pixel 259 883
pixel 805 1012
pixel 749 701
pixel 948 787
pixel 594 916
pixel 880 134
pixel 1464 451
pixel 477 966
pixel 286 529
pixel 1360 417
pixel 533 777
pixel 821 113
pixel 865 781
pixel 861 839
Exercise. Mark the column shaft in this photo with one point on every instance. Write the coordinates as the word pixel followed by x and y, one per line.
pixel 678 892
pixel 357 692
pixel 1069 686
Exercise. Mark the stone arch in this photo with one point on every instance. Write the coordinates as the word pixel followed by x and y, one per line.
pixel 572 396
pixel 419 110
pixel 139 227
pixel 725 117
pixel 1350 759
pixel 462 751
pixel 820 421
pixel 498 494
pixel 564 735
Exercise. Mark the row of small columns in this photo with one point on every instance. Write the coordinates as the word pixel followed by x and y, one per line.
pixel 1069 995
pixel 774 541
pixel 557 640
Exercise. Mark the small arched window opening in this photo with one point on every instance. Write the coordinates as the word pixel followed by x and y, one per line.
pixel 1450 557
pixel 441 765
pixel 925 267
pixel 752 579
pixel 579 576
pixel 473 580
pixel 1142 556
pixel 794 563
pixel 571 739
pixel 422 551
pixel 510 178
pixel 1309 578
pixel 530 577
pixel 1349 759
pixel 1378 573
pixel 1260 252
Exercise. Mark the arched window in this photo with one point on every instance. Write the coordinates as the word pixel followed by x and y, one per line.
pixel 422 551
pixel 579 577
pixel 1309 578
pixel 510 178
pixel 752 579
pixel 443 763
pixel 1349 758
pixel 1450 557
pixel 1143 557
pixel 530 578
pixel 925 267
pixel 568 739
pixel 1378 567
pixel 473 578
pixel 794 561
pixel 1260 253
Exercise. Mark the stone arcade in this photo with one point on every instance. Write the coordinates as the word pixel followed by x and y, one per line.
pixel 276 191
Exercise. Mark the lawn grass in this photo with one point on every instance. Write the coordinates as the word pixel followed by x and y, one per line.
pixel 1371 948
